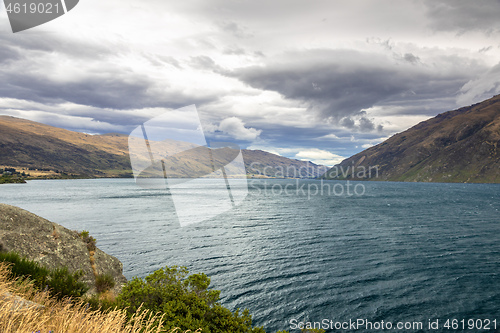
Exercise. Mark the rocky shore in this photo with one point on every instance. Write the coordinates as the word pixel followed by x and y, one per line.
pixel 52 246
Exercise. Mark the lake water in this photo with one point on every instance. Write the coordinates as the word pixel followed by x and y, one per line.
pixel 397 252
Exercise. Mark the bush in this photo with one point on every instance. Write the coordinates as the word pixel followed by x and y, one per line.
pixel 104 282
pixel 96 303
pixel 185 301
pixel 60 282
pixel 91 241
pixel 58 316
pixel 25 268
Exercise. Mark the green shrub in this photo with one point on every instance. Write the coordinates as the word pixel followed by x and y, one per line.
pixel 25 268
pixel 63 283
pixel 60 282
pixel 185 301
pixel 104 282
pixel 91 241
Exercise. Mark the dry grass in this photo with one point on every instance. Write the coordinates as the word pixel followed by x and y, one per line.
pixel 55 234
pixel 64 316
pixel 108 296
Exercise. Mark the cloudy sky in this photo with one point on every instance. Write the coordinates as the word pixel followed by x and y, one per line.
pixel 315 80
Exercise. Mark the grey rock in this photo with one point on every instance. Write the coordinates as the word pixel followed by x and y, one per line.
pixel 52 245
pixel 18 303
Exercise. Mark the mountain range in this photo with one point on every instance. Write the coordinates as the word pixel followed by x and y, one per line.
pixel 455 146
pixel 31 146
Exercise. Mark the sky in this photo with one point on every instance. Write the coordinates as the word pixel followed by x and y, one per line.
pixel 311 80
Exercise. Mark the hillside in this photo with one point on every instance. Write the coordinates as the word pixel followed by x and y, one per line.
pixel 26 145
pixel 455 146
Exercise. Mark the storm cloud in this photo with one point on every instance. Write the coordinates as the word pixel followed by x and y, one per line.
pixel 340 84
pixel 56 71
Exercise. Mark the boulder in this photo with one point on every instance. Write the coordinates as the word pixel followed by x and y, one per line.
pixel 52 245
pixel 18 303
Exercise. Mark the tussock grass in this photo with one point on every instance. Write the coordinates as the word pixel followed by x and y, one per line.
pixel 64 316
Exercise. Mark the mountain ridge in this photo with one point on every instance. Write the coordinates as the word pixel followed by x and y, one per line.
pixel 30 145
pixel 455 146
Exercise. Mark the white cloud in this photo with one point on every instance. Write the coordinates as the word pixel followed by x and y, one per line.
pixel 329 137
pixel 319 156
pixel 314 155
pixel 235 127
pixel 481 88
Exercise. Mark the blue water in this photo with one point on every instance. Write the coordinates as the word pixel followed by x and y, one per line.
pixel 396 252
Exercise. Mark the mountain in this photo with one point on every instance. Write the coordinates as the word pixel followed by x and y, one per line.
pixel 456 146
pixel 49 151
pixel 28 144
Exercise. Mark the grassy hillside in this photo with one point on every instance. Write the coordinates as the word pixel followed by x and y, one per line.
pixel 27 145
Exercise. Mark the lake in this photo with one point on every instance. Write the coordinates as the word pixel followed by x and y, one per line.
pixel 386 251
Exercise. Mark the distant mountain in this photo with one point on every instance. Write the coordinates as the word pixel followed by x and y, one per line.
pixel 25 144
pixel 455 146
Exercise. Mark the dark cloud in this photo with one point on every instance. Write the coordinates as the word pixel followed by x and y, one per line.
pixel 101 91
pixel 104 90
pixel 8 53
pixel 485 49
pixel 235 29
pixel 171 60
pixel 207 64
pixel 347 122
pixel 366 125
pixel 33 69
pixel 363 124
pixel 339 84
pixel 292 137
pixel 30 44
pixel 204 63
pixel 411 58
pixel 464 15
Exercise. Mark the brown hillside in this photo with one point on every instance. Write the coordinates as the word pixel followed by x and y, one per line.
pixel 28 144
pixel 455 146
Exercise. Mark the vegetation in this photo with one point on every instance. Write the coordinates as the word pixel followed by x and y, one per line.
pixel 185 301
pixel 104 282
pixel 62 316
pixel 60 283
pixel 91 241
pixel 11 175
pixel 168 300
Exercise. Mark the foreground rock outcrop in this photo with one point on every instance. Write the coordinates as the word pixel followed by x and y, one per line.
pixel 52 245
